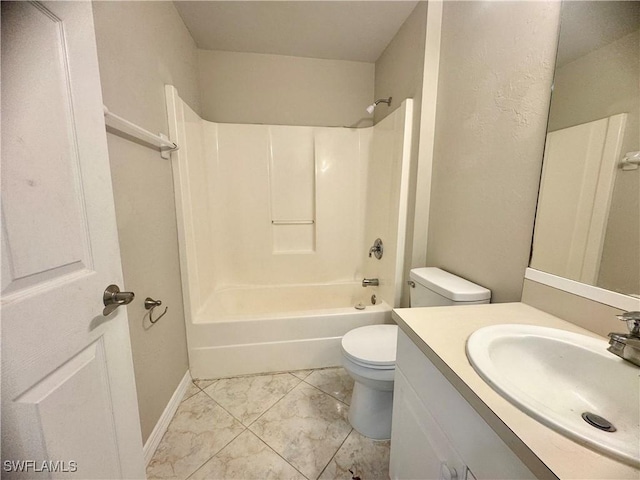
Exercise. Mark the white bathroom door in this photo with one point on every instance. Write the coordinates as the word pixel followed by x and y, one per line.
pixel 69 407
pixel 578 176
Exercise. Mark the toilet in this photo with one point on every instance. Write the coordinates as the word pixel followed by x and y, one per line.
pixel 369 353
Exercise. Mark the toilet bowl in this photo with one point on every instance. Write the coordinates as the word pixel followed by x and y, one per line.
pixel 369 356
pixel 369 353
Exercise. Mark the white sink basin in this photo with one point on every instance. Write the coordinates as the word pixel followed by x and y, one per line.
pixel 555 376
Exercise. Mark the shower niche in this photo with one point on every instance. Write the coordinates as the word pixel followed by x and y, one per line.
pixel 292 187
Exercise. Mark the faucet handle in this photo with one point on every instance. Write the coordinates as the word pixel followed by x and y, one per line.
pixel 377 249
pixel 633 321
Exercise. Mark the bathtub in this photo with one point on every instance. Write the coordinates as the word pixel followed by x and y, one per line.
pixel 259 329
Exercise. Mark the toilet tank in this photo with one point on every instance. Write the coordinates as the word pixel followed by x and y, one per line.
pixel 433 287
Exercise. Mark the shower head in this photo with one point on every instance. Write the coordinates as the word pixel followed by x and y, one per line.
pixel 372 107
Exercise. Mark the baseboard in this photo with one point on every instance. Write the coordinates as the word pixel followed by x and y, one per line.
pixel 153 441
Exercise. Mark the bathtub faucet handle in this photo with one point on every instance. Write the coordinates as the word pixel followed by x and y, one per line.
pixel 377 249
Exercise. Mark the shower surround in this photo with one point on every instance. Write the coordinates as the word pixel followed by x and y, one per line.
pixel 275 224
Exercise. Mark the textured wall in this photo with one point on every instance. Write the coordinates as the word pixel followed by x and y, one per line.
pixel 142 46
pixel 496 68
pixel 282 90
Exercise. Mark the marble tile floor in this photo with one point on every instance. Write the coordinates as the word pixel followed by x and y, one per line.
pixel 275 426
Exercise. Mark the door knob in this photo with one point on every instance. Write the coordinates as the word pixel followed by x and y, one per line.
pixel 113 298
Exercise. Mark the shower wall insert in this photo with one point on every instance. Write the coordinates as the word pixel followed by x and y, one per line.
pixel 275 224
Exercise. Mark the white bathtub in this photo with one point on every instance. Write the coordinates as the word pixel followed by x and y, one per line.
pixel 232 184
pixel 245 330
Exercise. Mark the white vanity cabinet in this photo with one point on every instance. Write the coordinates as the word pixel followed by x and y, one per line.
pixel 436 433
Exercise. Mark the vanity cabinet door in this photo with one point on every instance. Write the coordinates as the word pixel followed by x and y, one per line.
pixel 448 420
pixel 419 448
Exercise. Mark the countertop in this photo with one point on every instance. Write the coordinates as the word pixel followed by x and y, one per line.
pixel 441 334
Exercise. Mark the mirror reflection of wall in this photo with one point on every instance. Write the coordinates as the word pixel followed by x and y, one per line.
pixel 594 121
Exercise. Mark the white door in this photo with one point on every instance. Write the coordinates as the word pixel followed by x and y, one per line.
pixel 68 391
pixel 578 176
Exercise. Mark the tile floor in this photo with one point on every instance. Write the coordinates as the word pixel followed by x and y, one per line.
pixel 275 426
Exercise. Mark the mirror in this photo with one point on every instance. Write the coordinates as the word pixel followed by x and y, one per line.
pixel 588 218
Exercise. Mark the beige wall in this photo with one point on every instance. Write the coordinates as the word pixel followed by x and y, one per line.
pixel 496 65
pixel 600 84
pixel 399 67
pixel 399 74
pixel 142 46
pixel 282 90
pixel 589 314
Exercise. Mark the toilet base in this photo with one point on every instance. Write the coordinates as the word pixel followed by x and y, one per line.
pixel 370 411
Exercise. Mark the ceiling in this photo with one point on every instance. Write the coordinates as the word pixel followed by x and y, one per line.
pixel 340 30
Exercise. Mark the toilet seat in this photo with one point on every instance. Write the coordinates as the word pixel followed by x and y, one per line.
pixel 373 346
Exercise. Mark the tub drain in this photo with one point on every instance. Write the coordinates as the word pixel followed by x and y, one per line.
pixel 598 422
pixel 359 306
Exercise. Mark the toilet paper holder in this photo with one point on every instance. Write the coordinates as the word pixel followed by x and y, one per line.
pixel 150 304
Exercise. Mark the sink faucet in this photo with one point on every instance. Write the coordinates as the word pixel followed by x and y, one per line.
pixel 627 345
pixel 370 282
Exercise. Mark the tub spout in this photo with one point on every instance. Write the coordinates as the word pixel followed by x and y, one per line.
pixel 370 282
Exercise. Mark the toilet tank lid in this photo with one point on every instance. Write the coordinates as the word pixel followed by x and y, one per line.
pixel 449 285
